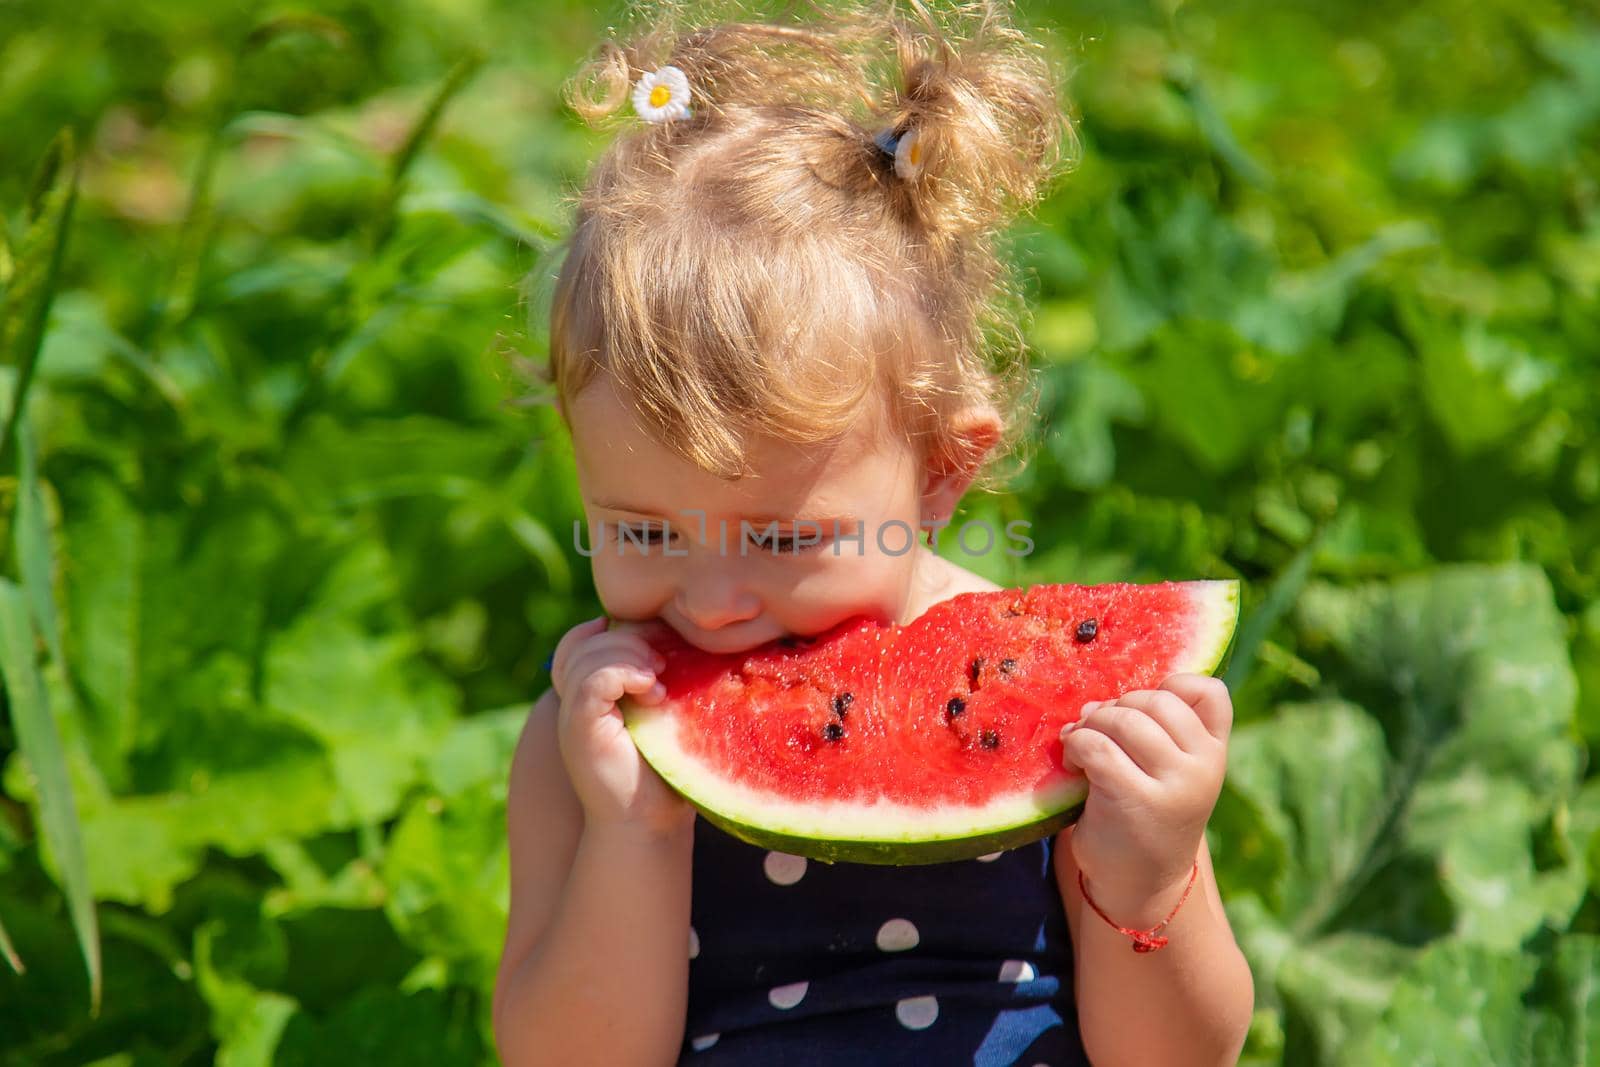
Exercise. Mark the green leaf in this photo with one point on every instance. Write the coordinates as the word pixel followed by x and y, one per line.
pixel 1367 541
pixel 400 165
pixel 1081 401
pixel 378 709
pixel 249 784
pixel 35 554
pixel 39 744
pixel 1214 394
pixel 148 1008
pixel 384 1026
pixel 1261 621
pixel 1305 306
pixel 33 285
pixel 1119 536
pixel 448 875
pixel 237 951
pixel 1569 1030
pixel 1480 385
pixel 1460 1005
pixel 336 465
pixel 1326 820
pixel 166 609
pixel 1586 660
pixel 477 751
pixel 1416 815
pixel 1322 990
pixel 1451 651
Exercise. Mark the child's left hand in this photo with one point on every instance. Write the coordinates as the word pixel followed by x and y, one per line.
pixel 1155 760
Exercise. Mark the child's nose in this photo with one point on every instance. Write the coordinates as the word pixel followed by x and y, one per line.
pixel 711 602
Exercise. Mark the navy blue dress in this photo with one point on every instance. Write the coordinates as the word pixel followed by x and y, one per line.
pixel 800 962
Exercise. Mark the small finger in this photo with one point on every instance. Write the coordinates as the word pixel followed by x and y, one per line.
pixel 603 650
pixel 1210 699
pixel 1102 760
pixel 571 641
pixel 608 648
pixel 606 686
pixel 1140 736
pixel 1172 714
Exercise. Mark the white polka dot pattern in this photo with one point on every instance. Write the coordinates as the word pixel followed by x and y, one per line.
pixel 917 1013
pixel 784 869
pixel 834 916
pixel 785 997
pixel 897 935
pixel 1017 971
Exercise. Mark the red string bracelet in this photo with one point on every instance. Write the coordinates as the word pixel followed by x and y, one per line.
pixel 1143 940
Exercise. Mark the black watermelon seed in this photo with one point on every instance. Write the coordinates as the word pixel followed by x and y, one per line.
pixel 972 672
pixel 1007 665
pixel 842 702
pixel 832 731
pixel 1087 629
pixel 989 738
pixel 955 707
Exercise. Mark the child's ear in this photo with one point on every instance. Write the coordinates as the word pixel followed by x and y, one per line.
pixel 950 472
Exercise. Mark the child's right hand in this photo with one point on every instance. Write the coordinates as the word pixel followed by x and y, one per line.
pixel 592 669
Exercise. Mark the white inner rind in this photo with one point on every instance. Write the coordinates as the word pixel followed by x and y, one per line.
pixel 839 820
pixel 1216 614
pixel 655 732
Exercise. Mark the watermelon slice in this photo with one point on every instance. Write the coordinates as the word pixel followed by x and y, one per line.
pixel 925 743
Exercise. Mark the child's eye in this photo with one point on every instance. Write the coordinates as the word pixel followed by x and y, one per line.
pixel 785 544
pixel 642 534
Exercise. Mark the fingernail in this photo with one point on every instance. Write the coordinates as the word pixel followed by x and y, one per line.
pixel 658 691
pixel 1067 729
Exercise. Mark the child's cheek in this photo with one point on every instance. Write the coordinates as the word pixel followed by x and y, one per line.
pixel 630 586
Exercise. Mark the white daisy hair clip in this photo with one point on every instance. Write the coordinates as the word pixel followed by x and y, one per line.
pixel 662 94
pixel 905 149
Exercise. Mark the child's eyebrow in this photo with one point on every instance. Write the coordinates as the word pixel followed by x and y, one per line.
pixel 617 505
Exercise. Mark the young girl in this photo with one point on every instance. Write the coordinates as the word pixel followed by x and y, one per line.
pixel 774 341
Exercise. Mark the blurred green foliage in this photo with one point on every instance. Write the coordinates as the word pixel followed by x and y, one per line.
pixel 1319 309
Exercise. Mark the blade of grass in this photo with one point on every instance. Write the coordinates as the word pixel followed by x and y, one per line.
pixel 1285 588
pixel 8 265
pixel 40 744
pixel 194 232
pixel 406 155
pixel 9 951
pixel 541 544
pixel 32 539
pixel 27 305
pixel 358 304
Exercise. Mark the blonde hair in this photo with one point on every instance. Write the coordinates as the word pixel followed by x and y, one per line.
pixel 759 267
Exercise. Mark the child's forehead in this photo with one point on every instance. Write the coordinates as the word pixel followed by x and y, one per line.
pixel 621 465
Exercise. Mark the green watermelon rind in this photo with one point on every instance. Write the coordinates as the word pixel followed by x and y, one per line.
pixel 1052 809
pixel 898 853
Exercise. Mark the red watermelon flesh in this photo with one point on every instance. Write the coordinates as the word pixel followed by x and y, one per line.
pixel 931 741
